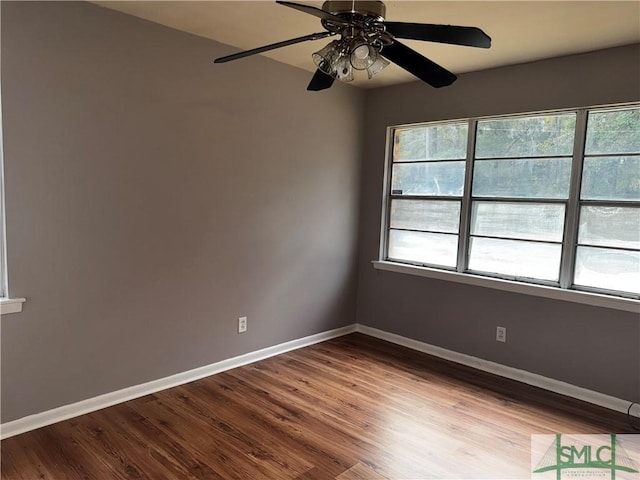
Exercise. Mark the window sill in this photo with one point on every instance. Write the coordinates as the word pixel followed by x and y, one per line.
pixel 595 299
pixel 11 305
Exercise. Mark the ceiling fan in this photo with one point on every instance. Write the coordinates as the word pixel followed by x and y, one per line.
pixel 368 42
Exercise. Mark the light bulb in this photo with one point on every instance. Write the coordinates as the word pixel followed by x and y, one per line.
pixel 362 55
pixel 361 51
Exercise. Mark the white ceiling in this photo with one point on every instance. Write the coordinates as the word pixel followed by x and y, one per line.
pixel 521 31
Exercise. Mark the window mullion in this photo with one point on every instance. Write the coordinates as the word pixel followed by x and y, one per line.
pixel 465 207
pixel 570 236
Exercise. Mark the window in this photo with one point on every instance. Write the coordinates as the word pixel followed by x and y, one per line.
pixel 550 198
pixel 7 305
pixel 426 188
pixel 608 247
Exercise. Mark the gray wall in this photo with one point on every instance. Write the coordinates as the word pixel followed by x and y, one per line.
pixel 153 197
pixel 587 346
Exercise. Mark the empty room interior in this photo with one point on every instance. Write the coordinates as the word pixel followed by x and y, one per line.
pixel 401 241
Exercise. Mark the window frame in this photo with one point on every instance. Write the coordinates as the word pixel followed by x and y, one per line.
pixel 7 305
pixel 3 240
pixel 463 265
pixel 564 286
pixel 387 210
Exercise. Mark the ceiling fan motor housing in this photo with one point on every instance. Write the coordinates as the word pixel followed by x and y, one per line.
pixel 373 9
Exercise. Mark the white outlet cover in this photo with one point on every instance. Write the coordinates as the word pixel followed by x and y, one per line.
pixel 242 324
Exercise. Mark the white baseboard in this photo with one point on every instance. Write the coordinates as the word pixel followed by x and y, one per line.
pixel 89 405
pixel 523 376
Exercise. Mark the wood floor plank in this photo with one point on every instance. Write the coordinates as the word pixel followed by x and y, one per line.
pixel 360 472
pixel 359 438
pixel 221 442
pixel 138 445
pixel 351 408
pixel 315 474
pixel 310 440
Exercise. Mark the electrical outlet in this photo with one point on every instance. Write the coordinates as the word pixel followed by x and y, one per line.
pixel 501 334
pixel 242 324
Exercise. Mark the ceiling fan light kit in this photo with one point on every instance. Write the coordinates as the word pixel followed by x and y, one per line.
pixel 369 43
pixel 338 59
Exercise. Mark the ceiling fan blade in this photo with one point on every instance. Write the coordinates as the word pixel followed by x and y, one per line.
pixel 313 11
pixel 420 66
pixel 320 81
pixel 273 46
pixel 469 36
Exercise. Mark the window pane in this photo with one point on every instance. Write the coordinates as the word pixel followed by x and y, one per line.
pixel 546 136
pixel 611 178
pixel 542 178
pixel 432 215
pixel 605 268
pixel 428 248
pixel 438 142
pixel 613 132
pixel 515 258
pixel 610 226
pixel 442 178
pixel 533 221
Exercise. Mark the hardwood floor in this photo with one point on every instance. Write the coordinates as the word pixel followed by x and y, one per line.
pixel 353 408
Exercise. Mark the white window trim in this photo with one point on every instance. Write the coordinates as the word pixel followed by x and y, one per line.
pixel 11 305
pixel 534 289
pixel 576 296
pixel 7 305
pixel 3 229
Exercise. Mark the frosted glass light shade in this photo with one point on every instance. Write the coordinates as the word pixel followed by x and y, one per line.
pixel 363 56
pixel 380 64
pixel 326 58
